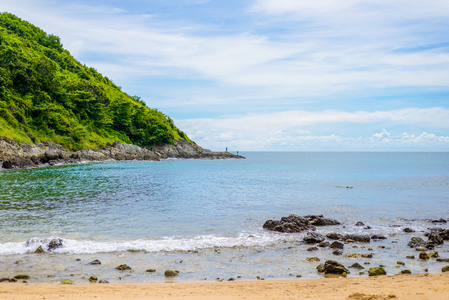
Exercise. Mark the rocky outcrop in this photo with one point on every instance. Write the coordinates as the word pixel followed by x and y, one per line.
pixel 15 156
pixel 294 223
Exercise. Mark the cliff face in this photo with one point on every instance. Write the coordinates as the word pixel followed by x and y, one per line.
pixel 15 156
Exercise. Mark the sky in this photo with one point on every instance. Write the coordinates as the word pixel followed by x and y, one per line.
pixel 261 75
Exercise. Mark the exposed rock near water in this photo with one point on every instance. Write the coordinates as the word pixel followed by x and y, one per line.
pixel 294 223
pixel 15 156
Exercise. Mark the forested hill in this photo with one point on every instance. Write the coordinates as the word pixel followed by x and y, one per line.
pixel 45 94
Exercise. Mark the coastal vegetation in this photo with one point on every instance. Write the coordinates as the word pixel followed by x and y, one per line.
pixel 47 95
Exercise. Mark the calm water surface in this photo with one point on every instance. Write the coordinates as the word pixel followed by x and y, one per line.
pixel 205 218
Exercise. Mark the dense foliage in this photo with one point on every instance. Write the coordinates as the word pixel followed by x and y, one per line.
pixel 45 94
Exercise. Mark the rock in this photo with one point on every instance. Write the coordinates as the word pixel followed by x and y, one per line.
pixel 171 273
pixel 313 237
pixel 433 254
pixel 408 230
pixel 12 280
pixel 123 267
pixel 312 259
pixel 337 252
pixel 150 271
pixel 378 237
pixel 358 238
pixel 445 269
pixel 443 259
pixel 377 271
pixel 435 239
pixel 410 257
pixel 54 244
pixel 401 263
pixel 103 281
pixel 337 245
pixel 93 279
pixel 66 281
pixel 334 236
pixel 95 262
pixel 324 244
pixel 357 266
pixel 320 268
pixel 333 267
pixel 423 255
pixel 292 223
pixel 359 223
pixel 4 279
pixel 319 220
pixel 22 276
pixel 231 279
pixel 416 242
pixel 405 272
pixel 312 249
pixel 441 221
pixel 39 250
pixel 358 255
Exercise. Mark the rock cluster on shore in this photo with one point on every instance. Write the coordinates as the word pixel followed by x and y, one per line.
pixel 15 156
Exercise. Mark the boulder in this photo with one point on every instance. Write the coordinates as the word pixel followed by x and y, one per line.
pixel 292 223
pixel 39 250
pixel 93 279
pixel 312 259
pixel 334 236
pixel 359 223
pixel 333 267
pixel 95 262
pixel 123 267
pixel 440 221
pixel 408 230
pixel 150 270
pixel 445 269
pixel 357 266
pixel 319 220
pixel 66 281
pixel 378 237
pixel 312 249
pixel 54 244
pixel 405 272
pixel 377 271
pixel 358 238
pixel 423 255
pixel 171 273
pixel 416 242
pixel 337 252
pixel 324 244
pixel 313 238
pixel 337 245
pixel 435 239
pixel 22 277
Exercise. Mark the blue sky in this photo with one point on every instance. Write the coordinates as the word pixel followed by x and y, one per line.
pixel 271 75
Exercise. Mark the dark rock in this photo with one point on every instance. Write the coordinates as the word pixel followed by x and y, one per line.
pixel 443 259
pixel 357 266
pixel 95 262
pixel 171 273
pixel 435 239
pixel 358 238
pixel 312 249
pixel 103 281
pixel 406 272
pixel 416 242
pixel 39 250
pixel 22 276
pixel 333 267
pixel 408 230
pixel 441 220
pixel 12 280
pixel 93 279
pixel 320 268
pixel 337 245
pixel 319 220
pixel 123 267
pixel 337 252
pixel 312 259
pixel 359 223
pixel 410 257
pixel 423 255
pixel 378 237
pixel 150 270
pixel 433 254
pixel 54 244
pixel 4 279
pixel 377 271
pixel 334 236
pixel 313 237
pixel 324 244
pixel 292 223
pixel 445 269
pixel 367 227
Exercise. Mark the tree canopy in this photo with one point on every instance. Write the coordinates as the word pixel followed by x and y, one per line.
pixel 45 94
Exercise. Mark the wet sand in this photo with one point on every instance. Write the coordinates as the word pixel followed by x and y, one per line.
pixel 417 286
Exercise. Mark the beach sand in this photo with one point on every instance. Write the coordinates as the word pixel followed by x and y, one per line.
pixel 417 286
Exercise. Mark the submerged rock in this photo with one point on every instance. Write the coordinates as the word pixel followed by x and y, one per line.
pixel 337 245
pixel 22 277
pixel 408 230
pixel 359 223
pixel 39 250
pixel 445 269
pixel 377 271
pixel 312 259
pixel 66 281
pixel 95 262
pixel 55 244
pixel 171 273
pixel 123 267
pixel 337 252
pixel 405 272
pixel 423 255
pixel 150 270
pixel 334 236
pixel 378 237
pixel 441 221
pixel 357 266
pixel 292 223
pixel 93 279
pixel 324 244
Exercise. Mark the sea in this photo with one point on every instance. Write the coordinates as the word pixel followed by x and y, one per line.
pixel 204 218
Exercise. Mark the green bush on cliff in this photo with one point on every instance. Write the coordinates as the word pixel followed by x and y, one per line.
pixel 45 94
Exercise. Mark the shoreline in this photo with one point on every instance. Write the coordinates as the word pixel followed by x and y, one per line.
pixel 23 156
pixel 415 286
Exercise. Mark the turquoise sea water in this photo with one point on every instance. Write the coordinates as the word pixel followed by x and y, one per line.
pixel 205 217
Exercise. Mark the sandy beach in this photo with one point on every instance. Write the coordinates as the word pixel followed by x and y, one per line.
pixel 417 286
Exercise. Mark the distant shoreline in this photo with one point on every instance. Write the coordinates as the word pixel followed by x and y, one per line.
pixel 15 156
pixel 416 286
